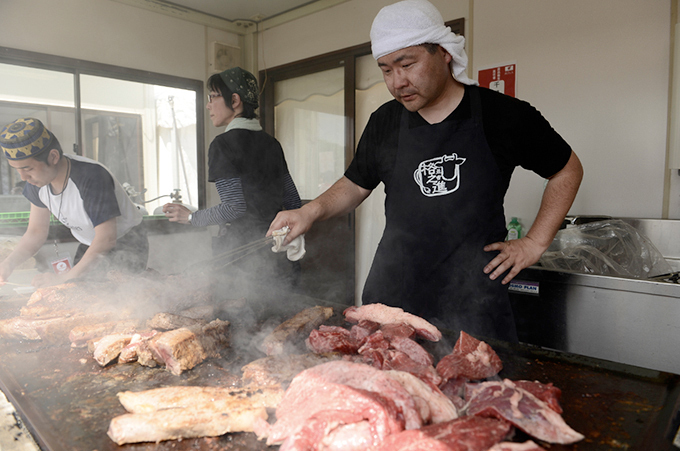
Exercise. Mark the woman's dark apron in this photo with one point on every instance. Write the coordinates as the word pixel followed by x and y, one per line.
pixel 444 204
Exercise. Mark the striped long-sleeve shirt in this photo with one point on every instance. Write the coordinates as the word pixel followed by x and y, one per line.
pixel 233 204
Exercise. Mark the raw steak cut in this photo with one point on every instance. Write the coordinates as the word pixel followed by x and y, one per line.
pixel 365 377
pixel 547 393
pixel 309 398
pixel 507 401
pixel 463 434
pixel 383 314
pixel 433 405
pixel 331 339
pixel 471 358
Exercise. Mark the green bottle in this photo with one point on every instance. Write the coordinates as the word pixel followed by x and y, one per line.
pixel 514 229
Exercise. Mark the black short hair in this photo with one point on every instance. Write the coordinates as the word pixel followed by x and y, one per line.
pixel 215 83
pixel 431 48
pixel 44 155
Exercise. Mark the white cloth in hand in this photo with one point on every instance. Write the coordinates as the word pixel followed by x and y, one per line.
pixel 295 250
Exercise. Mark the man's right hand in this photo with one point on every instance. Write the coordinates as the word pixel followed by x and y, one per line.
pixel 299 221
pixel 341 198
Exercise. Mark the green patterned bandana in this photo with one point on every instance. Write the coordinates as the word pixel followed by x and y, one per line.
pixel 243 83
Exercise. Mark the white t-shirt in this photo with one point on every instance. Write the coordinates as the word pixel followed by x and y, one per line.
pixel 92 196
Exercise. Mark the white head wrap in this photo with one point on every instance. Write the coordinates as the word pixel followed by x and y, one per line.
pixel 414 22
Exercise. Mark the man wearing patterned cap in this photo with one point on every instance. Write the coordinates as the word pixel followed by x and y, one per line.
pixel 80 193
pixel 250 173
pixel 445 150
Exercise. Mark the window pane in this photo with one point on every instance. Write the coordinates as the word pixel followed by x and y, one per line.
pixel 310 124
pixel 146 135
pixel 45 95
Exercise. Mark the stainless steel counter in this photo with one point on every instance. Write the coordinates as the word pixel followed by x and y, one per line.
pixel 631 321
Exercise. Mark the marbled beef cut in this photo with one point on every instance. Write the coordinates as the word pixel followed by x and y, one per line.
pixel 463 434
pixel 471 358
pixel 507 401
pixel 383 314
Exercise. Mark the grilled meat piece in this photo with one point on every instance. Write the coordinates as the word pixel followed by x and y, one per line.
pixel 184 348
pixel 170 321
pixel 217 398
pixel 49 329
pixel 174 424
pixel 295 329
pixel 170 413
pixel 108 348
pixel 214 336
pixel 130 352
pixel 53 294
pixel 80 335
pixel 280 370
pixel 179 349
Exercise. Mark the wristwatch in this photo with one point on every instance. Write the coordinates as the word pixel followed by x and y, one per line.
pixel 189 218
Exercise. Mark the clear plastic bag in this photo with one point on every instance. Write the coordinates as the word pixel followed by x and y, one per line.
pixel 611 248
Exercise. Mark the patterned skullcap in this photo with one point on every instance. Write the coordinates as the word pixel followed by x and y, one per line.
pixel 243 83
pixel 25 138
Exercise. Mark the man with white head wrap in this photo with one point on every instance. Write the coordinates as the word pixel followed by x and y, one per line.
pixel 445 149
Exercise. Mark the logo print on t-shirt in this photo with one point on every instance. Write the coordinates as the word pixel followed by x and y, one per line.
pixel 439 176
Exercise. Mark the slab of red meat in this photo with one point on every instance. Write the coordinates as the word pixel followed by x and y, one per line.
pixel 360 331
pixel 398 330
pixel 332 427
pixel 454 389
pixel 463 434
pixel 514 446
pixel 411 348
pixel 331 339
pixel 375 341
pixel 471 358
pixel 522 409
pixel 547 393
pixel 365 377
pixel 308 398
pixel 397 360
pixel 433 405
pixel 383 314
pixel 346 437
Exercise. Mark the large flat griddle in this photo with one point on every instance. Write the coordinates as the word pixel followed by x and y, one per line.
pixel 67 400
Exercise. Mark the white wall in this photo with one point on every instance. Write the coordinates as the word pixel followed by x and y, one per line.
pixel 341 26
pixel 598 71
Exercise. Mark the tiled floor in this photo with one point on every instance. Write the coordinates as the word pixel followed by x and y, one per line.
pixel 13 433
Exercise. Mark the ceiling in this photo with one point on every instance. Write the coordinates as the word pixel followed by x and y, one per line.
pixel 243 10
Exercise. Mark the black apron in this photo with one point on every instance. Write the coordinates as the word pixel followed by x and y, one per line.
pixel 444 204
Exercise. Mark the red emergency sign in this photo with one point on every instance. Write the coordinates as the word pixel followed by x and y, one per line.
pixel 501 79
